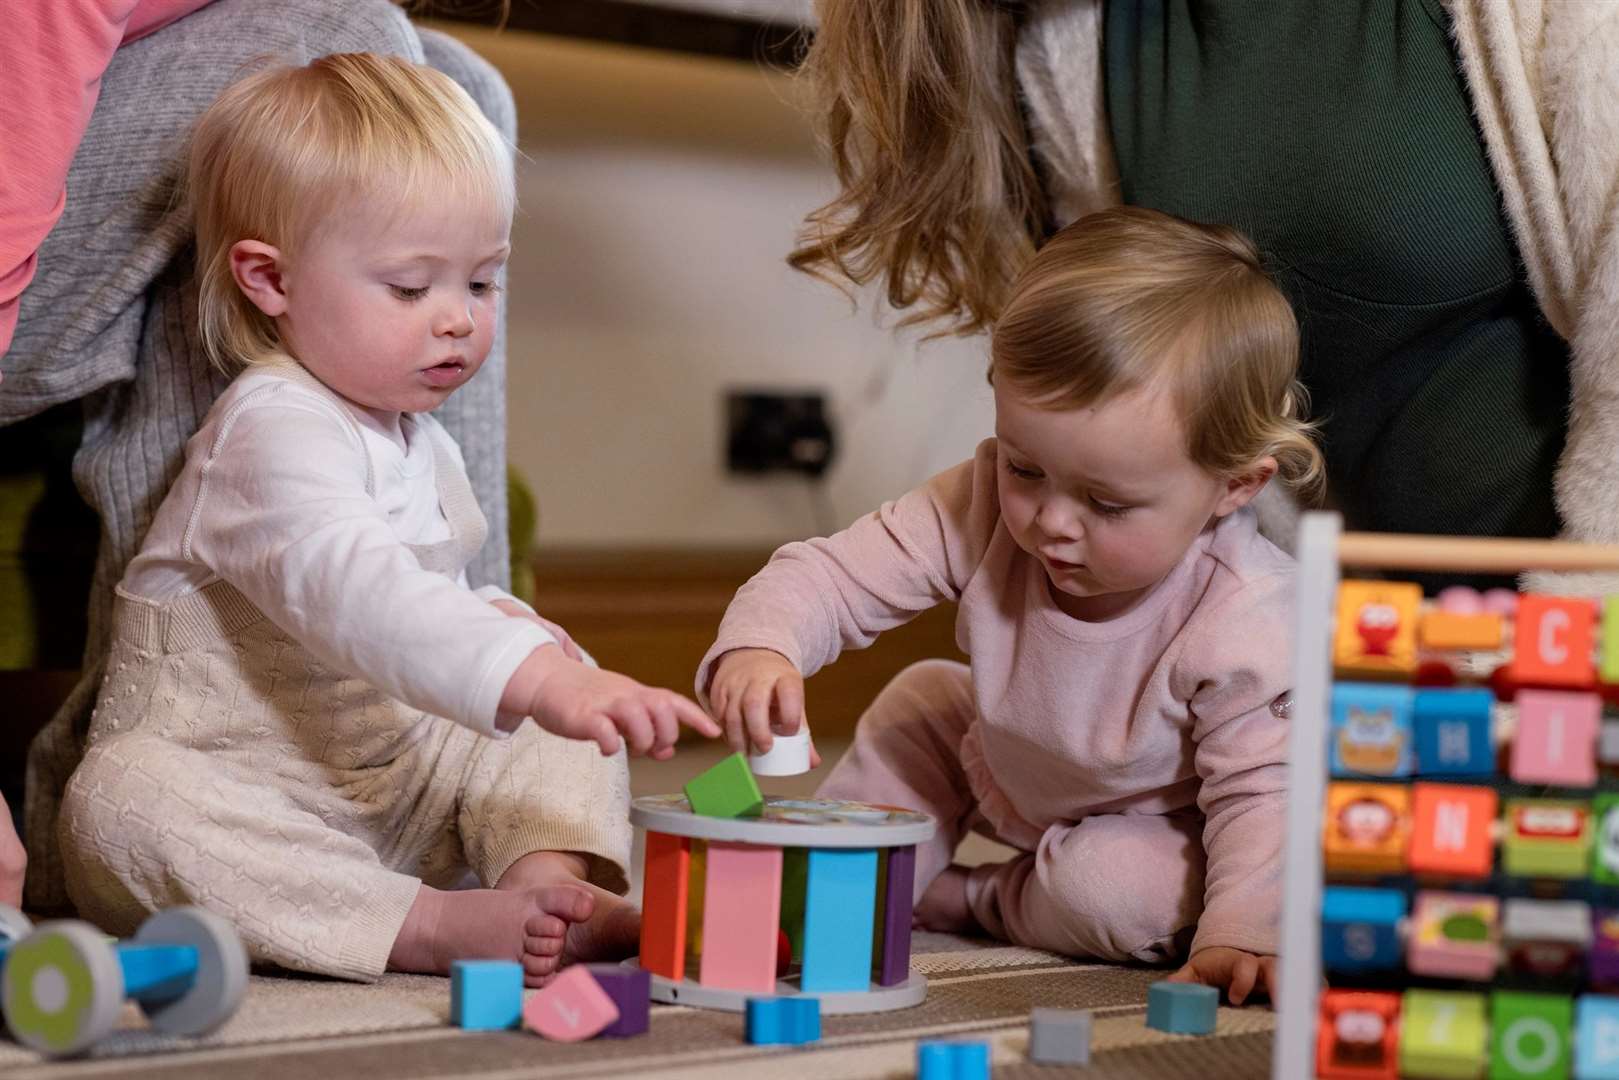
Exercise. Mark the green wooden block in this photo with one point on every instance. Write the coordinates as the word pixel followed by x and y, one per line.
pixel 1547 838
pixel 1529 1037
pixel 726 790
pixel 1608 671
pixel 1443 1035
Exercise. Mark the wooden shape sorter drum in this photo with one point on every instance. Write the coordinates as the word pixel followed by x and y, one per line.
pixel 812 898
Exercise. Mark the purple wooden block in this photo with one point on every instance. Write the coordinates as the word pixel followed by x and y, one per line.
pixel 631 991
pixel 1604 956
pixel 897 901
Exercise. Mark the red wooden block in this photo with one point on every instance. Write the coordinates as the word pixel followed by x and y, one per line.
pixel 1357 1036
pixel 1552 646
pixel 666 877
pixel 1450 832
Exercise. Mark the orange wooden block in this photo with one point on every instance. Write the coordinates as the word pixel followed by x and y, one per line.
pixel 1450 830
pixel 664 904
pixel 1552 643
pixel 1357 1036
pixel 1377 628
pixel 1445 630
pixel 1367 827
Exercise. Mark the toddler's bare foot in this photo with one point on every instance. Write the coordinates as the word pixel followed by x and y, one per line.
pixel 943 907
pixel 613 929
pixel 527 925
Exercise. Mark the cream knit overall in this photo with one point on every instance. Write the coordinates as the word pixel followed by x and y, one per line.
pixel 227 767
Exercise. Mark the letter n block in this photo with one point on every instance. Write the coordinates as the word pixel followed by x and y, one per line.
pixel 1450 830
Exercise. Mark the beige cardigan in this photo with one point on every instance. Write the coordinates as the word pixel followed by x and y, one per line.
pixel 1544 81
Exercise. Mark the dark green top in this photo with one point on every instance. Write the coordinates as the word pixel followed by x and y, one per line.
pixel 1339 135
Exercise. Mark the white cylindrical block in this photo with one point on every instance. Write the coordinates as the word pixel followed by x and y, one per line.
pixel 789 755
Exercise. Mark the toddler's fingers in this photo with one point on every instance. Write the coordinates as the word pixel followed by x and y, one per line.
pixel 605 734
pixel 665 728
pixel 635 724
pixel 1242 979
pixel 789 705
pixel 688 712
pixel 756 706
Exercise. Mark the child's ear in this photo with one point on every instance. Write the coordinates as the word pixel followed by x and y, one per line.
pixel 1241 489
pixel 256 266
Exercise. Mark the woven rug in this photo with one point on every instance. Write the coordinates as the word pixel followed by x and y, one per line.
pixel 399 1028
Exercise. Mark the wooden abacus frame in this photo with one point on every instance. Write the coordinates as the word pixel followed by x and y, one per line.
pixel 1323 549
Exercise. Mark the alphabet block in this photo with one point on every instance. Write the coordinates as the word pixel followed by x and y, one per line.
pixel 1455 935
pixel 1546 838
pixel 1443 1034
pixel 573 1007
pixel 486 995
pixel 1360 928
pixel 1552 644
pixel 1453 732
pixel 1530 1036
pixel 1450 831
pixel 1556 738
pixel 1366 828
pixel 1357 1036
pixel 1372 732
pixel 1376 628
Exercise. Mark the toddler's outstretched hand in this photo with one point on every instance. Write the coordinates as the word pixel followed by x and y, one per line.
pixel 1236 972
pixel 578 701
pixel 755 692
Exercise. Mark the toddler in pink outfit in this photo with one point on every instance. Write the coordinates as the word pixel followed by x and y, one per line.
pixel 1123 720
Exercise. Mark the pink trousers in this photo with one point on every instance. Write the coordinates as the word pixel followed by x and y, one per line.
pixel 1108 886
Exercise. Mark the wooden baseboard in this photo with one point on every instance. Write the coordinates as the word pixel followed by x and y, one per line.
pixel 653 613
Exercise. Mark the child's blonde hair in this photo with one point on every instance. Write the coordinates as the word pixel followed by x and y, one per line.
pixel 283 147
pixel 1129 299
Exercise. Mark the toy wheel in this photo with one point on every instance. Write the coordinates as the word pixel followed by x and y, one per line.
pixel 14 925
pixel 62 988
pixel 221 978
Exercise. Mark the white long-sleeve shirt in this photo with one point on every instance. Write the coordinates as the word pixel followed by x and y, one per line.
pixel 310 507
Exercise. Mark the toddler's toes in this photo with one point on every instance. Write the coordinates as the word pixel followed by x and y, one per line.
pixel 570 903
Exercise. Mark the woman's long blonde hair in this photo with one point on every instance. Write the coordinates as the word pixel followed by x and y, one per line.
pixel 1132 299
pixel 918 103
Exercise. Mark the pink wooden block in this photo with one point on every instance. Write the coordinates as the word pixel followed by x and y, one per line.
pixel 1556 739
pixel 741 914
pixel 571 1008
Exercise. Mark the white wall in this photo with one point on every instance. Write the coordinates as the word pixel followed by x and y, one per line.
pixel 660 197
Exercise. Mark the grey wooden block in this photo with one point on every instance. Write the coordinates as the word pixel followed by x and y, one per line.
pixel 1060 1036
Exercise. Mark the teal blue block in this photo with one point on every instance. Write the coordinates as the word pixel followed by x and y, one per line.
pixel 1182 1008
pixel 1360 928
pixel 1371 732
pixel 840 905
pixel 947 1060
pixel 1596 1038
pixel 790 1021
pixel 1453 731
pixel 486 995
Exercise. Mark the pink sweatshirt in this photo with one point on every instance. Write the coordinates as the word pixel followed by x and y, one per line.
pixel 53 53
pixel 1176 702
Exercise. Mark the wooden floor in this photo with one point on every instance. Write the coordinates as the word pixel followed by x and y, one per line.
pixel 652 614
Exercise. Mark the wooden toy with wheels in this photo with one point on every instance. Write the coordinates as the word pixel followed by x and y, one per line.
pixel 63 984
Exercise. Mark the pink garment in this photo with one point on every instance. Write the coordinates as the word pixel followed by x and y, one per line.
pixel 53 53
pixel 1165 710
